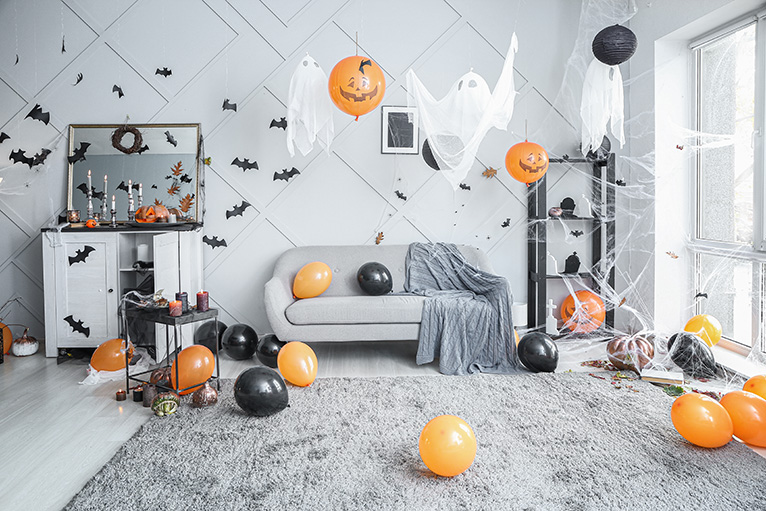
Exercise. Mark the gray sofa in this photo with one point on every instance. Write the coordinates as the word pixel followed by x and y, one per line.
pixel 344 312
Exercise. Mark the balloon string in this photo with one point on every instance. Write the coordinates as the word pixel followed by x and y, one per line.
pixel 356 42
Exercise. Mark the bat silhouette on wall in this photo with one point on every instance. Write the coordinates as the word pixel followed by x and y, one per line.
pixel 620 182
pixel 400 195
pixel 63 44
pixel 84 189
pixel 285 175
pixel 154 186
pixel 507 223
pixel 77 326
pixel 576 234
pixel 81 255
pixel 3 137
pixel 123 186
pixel 79 79
pixel 186 179
pixel 238 210
pixel 464 186
pixel 17 59
pixel 229 106
pixel 364 62
pixel 79 153
pixel 41 156
pixel 37 114
pixel 164 72
pixel 700 295
pixel 245 164
pixel 19 156
pixel 171 139
pixel 116 88
pixel 214 242
pixel 281 123
pixel 143 149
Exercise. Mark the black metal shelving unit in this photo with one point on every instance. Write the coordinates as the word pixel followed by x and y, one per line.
pixel 603 193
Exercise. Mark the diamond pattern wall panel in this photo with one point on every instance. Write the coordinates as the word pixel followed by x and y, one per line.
pixel 99 14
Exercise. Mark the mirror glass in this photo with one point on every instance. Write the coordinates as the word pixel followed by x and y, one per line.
pixel 162 166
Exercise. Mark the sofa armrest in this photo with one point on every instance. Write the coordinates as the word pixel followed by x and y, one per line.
pixel 277 298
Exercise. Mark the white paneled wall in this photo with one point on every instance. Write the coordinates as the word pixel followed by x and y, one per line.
pixel 246 51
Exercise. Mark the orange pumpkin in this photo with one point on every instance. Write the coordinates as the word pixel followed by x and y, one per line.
pixel 633 353
pixel 152 213
pixel 357 85
pixel 6 338
pixel 91 223
pixel 585 316
pixel 526 162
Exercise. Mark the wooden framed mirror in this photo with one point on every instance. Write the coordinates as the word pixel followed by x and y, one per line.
pixel 161 160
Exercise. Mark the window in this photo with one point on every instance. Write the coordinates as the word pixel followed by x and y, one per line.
pixel 728 244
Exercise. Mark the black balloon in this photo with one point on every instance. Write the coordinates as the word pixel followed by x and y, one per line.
pixel 260 391
pixel 268 349
pixel 428 156
pixel 205 335
pixel 614 45
pixel 538 353
pixel 691 354
pixel 375 279
pixel 240 341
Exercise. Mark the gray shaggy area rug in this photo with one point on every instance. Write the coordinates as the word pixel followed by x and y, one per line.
pixel 563 441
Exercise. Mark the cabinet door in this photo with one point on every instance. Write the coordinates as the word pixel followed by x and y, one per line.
pixel 86 295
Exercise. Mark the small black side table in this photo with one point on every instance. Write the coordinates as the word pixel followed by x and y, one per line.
pixel 162 317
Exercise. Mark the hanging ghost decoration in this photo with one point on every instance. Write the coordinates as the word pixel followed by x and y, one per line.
pixel 456 124
pixel 602 93
pixel 309 110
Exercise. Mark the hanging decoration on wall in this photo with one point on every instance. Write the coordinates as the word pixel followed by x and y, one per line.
pixel 17 59
pixel 576 234
pixel 229 106
pixel 238 210
pixel 214 242
pixel 93 193
pixel 357 85
pixel 120 133
pixel 116 88
pixel 171 139
pixel 602 95
pixel 464 186
pixel 79 153
pixel 285 175
pixel 37 114
pixel 400 195
pixel 78 80
pixel 526 161
pixel 489 172
pixel 3 137
pixel 379 237
pixel 164 72
pixel 465 114
pixel 281 123
pixel 77 326
pixel 19 156
pixel 506 223
pixel 245 164
pixel 122 186
pixel 309 109
pixel 63 44
pixel 81 255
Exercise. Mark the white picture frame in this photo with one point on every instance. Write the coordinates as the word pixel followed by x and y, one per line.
pixel 399 130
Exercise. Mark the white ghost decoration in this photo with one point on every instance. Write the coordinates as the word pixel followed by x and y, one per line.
pixel 602 101
pixel 456 124
pixel 309 110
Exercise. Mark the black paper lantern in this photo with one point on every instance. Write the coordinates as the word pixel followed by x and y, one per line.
pixel 614 45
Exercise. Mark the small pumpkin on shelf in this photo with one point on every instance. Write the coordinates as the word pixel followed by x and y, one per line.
pixel 151 213
pixel 632 353
pixel 25 345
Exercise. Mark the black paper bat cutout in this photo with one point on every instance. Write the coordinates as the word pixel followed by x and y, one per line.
pixel 143 149
pixel 123 186
pixel 214 242
pixel 84 189
pixel 620 182
pixel 400 195
pixel 38 114
pixel 281 123
pixel 3 136
pixel 116 88
pixel 79 79
pixel 164 72
pixel 81 255
pixel 63 44
pixel 507 223
pixel 285 175
pixel 700 295
pixel 79 153
pixel 229 106
pixel 576 234
pixel 154 186
pixel 41 156
pixel 364 62
pixel 245 164
pixel 238 210
pixel 77 326
pixel 171 139
pixel 464 186
pixel 171 177
pixel 17 59
pixel 185 178
pixel 18 156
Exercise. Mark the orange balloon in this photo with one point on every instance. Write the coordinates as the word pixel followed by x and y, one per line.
pixel 701 420
pixel 706 327
pixel 298 363
pixel 357 85
pixel 516 335
pixel 447 445
pixel 586 316
pixel 756 385
pixel 6 338
pixel 312 280
pixel 110 355
pixel 526 161
pixel 748 414
pixel 195 366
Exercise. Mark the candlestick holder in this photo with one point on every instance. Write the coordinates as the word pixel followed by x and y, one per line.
pixel 131 211
pixel 90 205
pixel 140 201
pixel 113 219
pixel 104 209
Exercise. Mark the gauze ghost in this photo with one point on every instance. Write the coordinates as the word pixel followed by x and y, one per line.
pixel 309 109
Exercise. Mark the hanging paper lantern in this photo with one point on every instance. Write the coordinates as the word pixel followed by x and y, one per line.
pixel 526 162
pixel 357 85
pixel 614 45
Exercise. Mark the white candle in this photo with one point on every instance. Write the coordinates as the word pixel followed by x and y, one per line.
pixel 104 185
pixel 130 188
pixel 113 203
pixel 89 183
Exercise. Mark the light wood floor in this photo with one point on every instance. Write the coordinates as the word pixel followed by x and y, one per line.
pixel 56 434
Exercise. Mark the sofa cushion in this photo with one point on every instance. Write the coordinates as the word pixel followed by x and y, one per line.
pixel 334 310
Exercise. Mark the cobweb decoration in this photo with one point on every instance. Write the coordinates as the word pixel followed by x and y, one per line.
pixel 456 124
pixel 602 101
pixel 309 110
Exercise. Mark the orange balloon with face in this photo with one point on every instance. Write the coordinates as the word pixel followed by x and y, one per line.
pixel 357 85
pixel 586 316
pixel 526 162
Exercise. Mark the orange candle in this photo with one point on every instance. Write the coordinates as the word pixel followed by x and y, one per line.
pixel 175 308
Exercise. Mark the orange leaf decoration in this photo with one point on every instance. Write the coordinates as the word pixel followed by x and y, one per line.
pixel 379 238
pixel 158 202
pixel 177 169
pixel 490 172
pixel 186 203
pixel 173 189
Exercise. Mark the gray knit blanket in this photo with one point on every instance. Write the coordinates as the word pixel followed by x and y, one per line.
pixel 466 319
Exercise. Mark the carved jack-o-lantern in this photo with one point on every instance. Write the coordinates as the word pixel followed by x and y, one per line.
pixel 357 85
pixel 526 162
pixel 151 213
pixel 585 314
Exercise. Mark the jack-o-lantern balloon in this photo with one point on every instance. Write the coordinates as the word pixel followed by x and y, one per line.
pixel 151 213
pixel 526 162
pixel 585 314
pixel 357 85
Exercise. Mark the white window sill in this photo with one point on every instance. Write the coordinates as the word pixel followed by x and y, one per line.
pixel 737 362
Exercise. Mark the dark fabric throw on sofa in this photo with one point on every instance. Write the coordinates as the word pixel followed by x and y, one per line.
pixel 466 319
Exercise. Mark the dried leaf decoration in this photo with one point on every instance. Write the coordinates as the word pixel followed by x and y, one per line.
pixel 177 169
pixel 173 189
pixel 672 255
pixel 379 238
pixel 186 203
pixel 158 202
pixel 490 172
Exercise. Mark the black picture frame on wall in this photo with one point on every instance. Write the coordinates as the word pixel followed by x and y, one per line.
pixel 399 130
